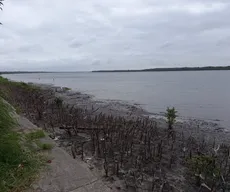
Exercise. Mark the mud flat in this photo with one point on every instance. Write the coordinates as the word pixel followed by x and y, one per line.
pixel 199 128
pixel 130 148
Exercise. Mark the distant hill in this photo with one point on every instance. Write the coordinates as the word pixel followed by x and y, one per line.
pixel 208 68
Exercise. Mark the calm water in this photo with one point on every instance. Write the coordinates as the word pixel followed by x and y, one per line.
pixel 204 94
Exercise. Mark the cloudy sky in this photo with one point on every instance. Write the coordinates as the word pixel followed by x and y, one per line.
pixel 84 35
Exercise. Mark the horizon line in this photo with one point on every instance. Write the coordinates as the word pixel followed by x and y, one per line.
pixel 127 70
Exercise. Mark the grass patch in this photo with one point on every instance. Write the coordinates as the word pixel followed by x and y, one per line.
pixel 18 109
pixel 19 165
pixel 6 120
pixel 44 146
pixel 35 135
pixel 22 85
pixel 19 174
pixel 4 93
pixel 66 88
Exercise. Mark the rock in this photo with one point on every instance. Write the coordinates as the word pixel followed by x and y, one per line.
pixel 91 167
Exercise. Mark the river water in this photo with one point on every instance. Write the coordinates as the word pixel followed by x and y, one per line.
pixel 202 95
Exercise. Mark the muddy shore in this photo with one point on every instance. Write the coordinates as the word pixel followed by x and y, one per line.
pixel 132 149
pixel 200 129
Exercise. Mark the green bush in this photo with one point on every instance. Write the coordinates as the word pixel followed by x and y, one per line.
pixel 35 135
pixel 66 88
pixel 203 167
pixel 171 115
pixel 203 164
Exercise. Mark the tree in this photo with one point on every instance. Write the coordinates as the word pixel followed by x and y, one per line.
pixel 1 4
pixel 171 117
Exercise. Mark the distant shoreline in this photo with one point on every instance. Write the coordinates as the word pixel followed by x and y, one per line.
pixel 209 68
pixel 23 72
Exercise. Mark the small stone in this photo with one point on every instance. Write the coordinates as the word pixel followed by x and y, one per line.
pixel 91 167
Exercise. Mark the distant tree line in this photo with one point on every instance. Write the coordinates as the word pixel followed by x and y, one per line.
pixel 208 68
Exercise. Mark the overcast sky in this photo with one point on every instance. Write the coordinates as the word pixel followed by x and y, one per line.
pixel 84 35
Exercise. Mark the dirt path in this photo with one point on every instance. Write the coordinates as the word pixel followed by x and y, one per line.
pixel 64 174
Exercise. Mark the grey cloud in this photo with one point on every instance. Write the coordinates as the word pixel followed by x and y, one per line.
pixel 80 41
pixel 165 45
pixel 96 63
pixel 30 48
pixel 81 35
pixel 75 44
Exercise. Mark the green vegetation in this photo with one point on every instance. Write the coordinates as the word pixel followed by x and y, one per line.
pixel 35 135
pixel 203 165
pixel 3 93
pixel 6 121
pixel 9 84
pixel 171 117
pixel 19 165
pixel 204 168
pixel 17 109
pixel 44 146
pixel 66 88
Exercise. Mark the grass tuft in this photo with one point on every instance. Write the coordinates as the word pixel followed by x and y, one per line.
pixel 66 88
pixel 18 109
pixel 6 120
pixel 35 135
pixel 44 146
